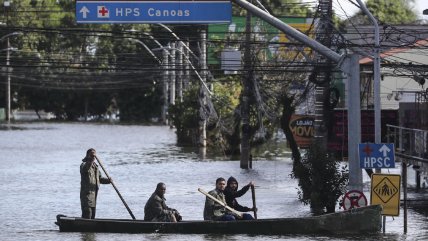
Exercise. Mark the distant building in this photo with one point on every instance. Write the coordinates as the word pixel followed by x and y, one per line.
pixel 404 67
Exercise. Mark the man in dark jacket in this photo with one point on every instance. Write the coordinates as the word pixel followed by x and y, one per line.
pixel 231 193
pixel 89 184
pixel 156 209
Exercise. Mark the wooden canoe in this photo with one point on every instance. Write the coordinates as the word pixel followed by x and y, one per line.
pixel 354 221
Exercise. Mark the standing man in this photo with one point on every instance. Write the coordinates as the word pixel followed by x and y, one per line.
pixel 213 210
pixel 156 209
pixel 89 184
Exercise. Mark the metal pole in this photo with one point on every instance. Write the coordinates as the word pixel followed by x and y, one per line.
pixel 383 224
pixel 203 64
pixel 354 122
pixel 376 76
pixel 186 66
pixel 172 74
pixel 180 71
pixel 165 86
pixel 404 171
pixel 8 82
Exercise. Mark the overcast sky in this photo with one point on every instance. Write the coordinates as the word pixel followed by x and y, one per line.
pixel 350 9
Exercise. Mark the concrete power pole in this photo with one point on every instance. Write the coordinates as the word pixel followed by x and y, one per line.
pixel 186 66
pixel 165 86
pixel 172 75
pixel 202 94
pixel 8 112
pixel 323 74
pixel 180 71
pixel 246 95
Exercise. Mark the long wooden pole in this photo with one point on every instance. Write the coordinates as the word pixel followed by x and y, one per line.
pixel 115 188
pixel 220 202
pixel 253 195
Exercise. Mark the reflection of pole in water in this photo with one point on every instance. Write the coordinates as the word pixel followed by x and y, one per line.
pixel 202 153
pixel 385 189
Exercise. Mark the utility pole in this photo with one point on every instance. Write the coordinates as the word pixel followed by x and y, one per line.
pixel 180 71
pixel 202 94
pixel 6 5
pixel 172 69
pixel 350 66
pixel 186 66
pixel 165 85
pixel 323 75
pixel 8 112
pixel 246 95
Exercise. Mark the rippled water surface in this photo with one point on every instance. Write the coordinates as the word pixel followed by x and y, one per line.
pixel 39 175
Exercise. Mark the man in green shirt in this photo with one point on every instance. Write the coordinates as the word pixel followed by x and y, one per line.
pixel 89 184
pixel 213 210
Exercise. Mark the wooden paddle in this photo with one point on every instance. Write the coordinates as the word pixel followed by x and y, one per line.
pixel 115 188
pixel 253 195
pixel 220 202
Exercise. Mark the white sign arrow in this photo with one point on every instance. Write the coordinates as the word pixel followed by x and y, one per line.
pixel 84 11
pixel 385 150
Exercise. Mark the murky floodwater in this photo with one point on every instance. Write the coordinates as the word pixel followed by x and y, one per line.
pixel 39 176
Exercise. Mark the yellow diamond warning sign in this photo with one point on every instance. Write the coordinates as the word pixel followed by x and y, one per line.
pixel 386 192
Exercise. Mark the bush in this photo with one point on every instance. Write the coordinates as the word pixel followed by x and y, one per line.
pixel 322 179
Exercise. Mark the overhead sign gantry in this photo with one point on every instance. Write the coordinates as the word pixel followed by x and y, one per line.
pixel 144 11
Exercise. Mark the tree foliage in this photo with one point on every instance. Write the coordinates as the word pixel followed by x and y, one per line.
pixel 296 8
pixel 185 117
pixel 75 70
pixel 388 12
pixel 322 179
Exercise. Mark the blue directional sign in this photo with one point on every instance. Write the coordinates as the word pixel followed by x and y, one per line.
pixel 137 11
pixel 376 155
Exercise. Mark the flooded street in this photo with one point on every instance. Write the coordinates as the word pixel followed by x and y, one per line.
pixel 39 174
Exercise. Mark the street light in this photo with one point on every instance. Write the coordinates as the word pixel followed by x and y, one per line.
pixel 146 48
pixel 9 35
pixel 189 62
pixel 8 49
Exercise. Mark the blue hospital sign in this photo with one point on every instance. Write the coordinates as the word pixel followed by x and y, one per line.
pixel 376 155
pixel 166 11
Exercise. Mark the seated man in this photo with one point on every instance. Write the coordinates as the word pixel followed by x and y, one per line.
pixel 156 209
pixel 231 192
pixel 213 210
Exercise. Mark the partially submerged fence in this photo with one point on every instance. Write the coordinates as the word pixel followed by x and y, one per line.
pixel 410 144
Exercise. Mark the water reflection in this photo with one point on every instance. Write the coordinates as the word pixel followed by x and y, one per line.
pixel 88 237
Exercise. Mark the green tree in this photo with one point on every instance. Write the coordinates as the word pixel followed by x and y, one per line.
pixel 279 8
pixel 388 11
pixel 185 117
pixel 77 70
pixel 322 179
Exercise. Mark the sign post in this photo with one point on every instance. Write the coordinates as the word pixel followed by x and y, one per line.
pixel 146 11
